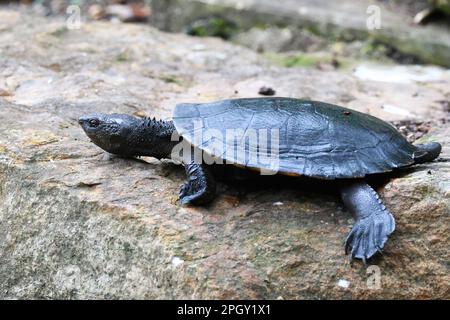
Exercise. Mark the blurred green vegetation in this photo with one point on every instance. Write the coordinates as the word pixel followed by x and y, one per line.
pixel 212 27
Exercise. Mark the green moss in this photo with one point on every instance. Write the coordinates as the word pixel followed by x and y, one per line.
pixel 374 49
pixel 300 60
pixel 368 47
pixel 415 49
pixel 442 5
pixel 212 27
pixel 329 34
pixel 314 29
pixel 261 26
pixel 170 79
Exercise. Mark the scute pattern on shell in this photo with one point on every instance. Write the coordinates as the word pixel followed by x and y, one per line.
pixel 316 139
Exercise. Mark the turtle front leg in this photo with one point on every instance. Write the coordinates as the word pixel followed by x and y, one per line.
pixel 200 187
pixel 374 223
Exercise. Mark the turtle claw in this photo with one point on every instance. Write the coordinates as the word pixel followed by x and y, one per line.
pixel 191 195
pixel 187 194
pixel 200 187
pixel 369 235
pixel 184 188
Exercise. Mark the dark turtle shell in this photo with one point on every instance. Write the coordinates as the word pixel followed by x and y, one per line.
pixel 316 139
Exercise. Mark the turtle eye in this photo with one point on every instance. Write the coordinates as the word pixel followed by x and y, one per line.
pixel 94 123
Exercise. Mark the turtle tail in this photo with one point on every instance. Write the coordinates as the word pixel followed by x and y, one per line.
pixel 427 152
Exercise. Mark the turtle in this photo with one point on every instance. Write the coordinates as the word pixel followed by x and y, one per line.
pixel 307 138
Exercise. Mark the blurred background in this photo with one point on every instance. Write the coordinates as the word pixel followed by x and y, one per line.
pixel 323 34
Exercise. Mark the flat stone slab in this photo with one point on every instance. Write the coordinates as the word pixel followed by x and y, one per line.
pixel 77 223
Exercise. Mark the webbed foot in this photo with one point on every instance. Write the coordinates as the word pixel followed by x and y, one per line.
pixel 190 193
pixel 374 223
pixel 200 187
pixel 369 235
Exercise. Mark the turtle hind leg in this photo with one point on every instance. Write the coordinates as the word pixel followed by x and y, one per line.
pixel 374 223
pixel 200 187
pixel 427 152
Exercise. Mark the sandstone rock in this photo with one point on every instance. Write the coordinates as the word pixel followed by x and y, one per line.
pixel 76 223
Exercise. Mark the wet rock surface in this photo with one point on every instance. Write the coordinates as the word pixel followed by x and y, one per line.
pixel 77 223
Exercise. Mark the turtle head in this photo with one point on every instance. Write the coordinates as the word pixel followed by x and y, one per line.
pixel 109 131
